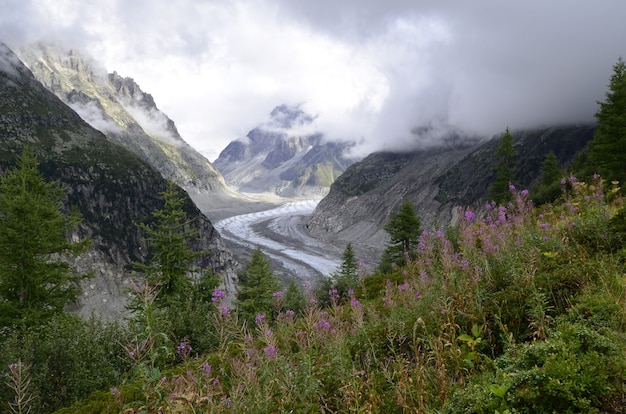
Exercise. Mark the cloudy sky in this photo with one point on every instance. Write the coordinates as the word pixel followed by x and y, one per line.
pixel 370 70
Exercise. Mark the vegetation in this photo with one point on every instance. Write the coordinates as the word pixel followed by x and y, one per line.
pixel 520 310
pixel 404 228
pixel 36 281
pixel 607 150
pixel 505 169
pixel 257 286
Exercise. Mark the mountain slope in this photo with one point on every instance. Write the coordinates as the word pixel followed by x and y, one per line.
pixel 113 188
pixel 436 180
pixel 124 113
pixel 283 156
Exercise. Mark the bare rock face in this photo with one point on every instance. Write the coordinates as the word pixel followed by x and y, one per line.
pixel 124 113
pixel 113 188
pixel 437 181
pixel 284 156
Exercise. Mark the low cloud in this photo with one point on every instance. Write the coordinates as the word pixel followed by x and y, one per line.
pixel 370 71
pixel 91 113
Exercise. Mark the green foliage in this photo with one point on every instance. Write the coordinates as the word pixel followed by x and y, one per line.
pixel 36 281
pixel 69 358
pixel 505 169
pixel 257 286
pixel 170 255
pixel 404 229
pixel 607 149
pixel 550 187
pixel 294 298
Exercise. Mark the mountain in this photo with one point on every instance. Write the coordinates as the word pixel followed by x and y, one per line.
pixel 124 113
pixel 113 188
pixel 283 156
pixel 436 180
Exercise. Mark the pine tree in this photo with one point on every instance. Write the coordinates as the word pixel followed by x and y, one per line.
pixel 549 188
pixel 169 240
pixel 256 287
pixel 36 281
pixel 607 149
pixel 347 276
pixel 505 169
pixel 404 227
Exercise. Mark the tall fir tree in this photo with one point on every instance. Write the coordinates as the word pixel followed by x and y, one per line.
pixel 505 169
pixel 549 188
pixel 257 286
pixel 404 228
pixel 169 240
pixel 36 281
pixel 607 149
pixel 347 276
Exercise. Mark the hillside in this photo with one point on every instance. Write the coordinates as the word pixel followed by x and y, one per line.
pixel 113 188
pixel 283 156
pixel 436 180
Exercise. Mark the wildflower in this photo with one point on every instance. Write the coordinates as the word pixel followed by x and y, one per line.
pixel 572 179
pixel 217 296
pixel 403 286
pixel 350 292
pixel 354 303
pixel 444 312
pixel 289 313
pixel 524 193
pixel 225 311
pixel 563 180
pixel 183 348
pixel 216 381
pixel 259 318
pixel 227 402
pixel 206 368
pixel 421 246
pixel 115 391
pixel 470 215
pixel 278 294
pixel 270 351
pixel 511 187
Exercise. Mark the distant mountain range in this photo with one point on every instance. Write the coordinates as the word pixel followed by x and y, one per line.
pixel 283 156
pixel 113 188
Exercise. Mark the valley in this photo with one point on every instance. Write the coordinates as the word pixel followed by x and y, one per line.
pixel 278 227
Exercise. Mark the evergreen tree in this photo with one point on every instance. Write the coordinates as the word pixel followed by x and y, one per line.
pixel 36 281
pixel 549 188
pixel 505 169
pixel 404 227
pixel 607 149
pixel 169 241
pixel 294 297
pixel 256 287
pixel 347 277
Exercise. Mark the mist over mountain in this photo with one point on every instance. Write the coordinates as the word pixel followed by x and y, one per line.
pixel 113 188
pixel 284 156
pixel 120 109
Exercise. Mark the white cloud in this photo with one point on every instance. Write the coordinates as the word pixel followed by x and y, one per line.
pixel 368 69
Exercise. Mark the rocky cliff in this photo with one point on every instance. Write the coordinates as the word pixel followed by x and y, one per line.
pixel 113 188
pixel 125 114
pixel 283 156
pixel 436 180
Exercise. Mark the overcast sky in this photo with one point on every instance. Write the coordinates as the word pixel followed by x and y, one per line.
pixel 371 70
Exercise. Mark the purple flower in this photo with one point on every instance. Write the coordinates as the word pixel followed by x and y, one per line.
pixel 469 215
pixel 511 187
pixel 563 180
pixel 270 351
pixel 403 286
pixel 289 313
pixel 278 294
pixel 350 292
pixel 259 318
pixel 524 193
pixel 421 246
pixel 217 295
pixel 206 368
pixel 354 303
pixel 225 311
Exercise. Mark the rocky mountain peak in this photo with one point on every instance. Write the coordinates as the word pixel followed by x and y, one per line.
pixel 284 156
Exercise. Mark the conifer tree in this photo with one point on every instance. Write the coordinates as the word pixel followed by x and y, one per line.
pixel 549 187
pixel 36 281
pixel 607 149
pixel 404 227
pixel 257 285
pixel 169 240
pixel 347 276
pixel 505 169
